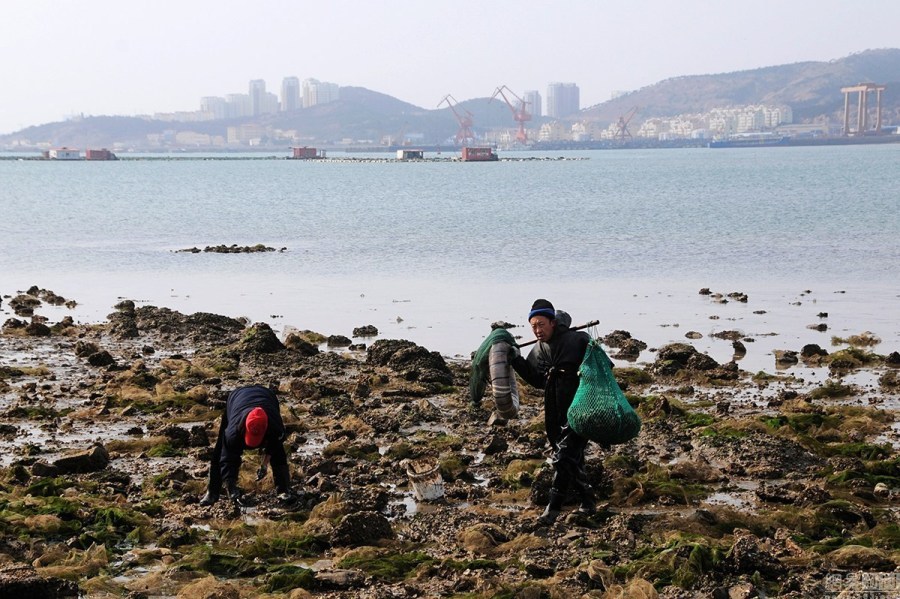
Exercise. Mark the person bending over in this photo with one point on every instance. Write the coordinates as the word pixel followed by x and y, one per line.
pixel 252 419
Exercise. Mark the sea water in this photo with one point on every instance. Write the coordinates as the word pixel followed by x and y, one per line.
pixel 435 251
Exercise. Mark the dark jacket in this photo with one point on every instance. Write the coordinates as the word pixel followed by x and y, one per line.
pixel 553 366
pixel 231 443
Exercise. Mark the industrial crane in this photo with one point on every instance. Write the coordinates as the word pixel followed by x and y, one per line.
pixel 622 132
pixel 464 135
pixel 519 112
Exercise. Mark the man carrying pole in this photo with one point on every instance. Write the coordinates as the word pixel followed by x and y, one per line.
pixel 552 365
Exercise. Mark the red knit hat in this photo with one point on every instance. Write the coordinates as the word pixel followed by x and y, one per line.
pixel 255 427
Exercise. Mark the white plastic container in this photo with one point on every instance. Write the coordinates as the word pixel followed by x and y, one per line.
pixel 426 480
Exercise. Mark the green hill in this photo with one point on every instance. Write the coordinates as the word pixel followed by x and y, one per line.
pixel 811 89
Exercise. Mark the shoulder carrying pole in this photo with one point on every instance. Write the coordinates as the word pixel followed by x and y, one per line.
pixel 592 323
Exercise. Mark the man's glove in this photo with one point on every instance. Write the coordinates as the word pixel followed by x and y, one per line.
pixel 264 464
pixel 287 498
pixel 237 496
pixel 513 353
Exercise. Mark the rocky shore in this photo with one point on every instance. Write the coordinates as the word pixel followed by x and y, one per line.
pixel 740 484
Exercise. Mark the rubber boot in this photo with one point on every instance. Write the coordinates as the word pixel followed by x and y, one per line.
pixel 585 492
pixel 588 499
pixel 236 494
pixel 282 475
pixel 551 512
pixel 214 488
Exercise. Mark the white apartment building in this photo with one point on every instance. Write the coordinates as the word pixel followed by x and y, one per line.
pixel 563 99
pixel 533 101
pixel 237 106
pixel 290 94
pixel 216 107
pixel 319 92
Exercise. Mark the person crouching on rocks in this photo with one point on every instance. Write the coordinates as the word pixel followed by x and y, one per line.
pixel 552 365
pixel 252 419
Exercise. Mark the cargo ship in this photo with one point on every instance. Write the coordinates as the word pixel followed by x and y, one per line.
pixel 751 140
pixel 765 140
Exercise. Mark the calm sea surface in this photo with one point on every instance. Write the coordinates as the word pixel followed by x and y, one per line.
pixel 434 252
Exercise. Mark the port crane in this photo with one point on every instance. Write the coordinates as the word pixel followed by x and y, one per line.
pixel 519 112
pixel 464 135
pixel 622 132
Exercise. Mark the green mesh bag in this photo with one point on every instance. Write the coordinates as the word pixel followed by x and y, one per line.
pixel 480 376
pixel 600 411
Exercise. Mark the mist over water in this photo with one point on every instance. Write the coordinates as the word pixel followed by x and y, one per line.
pixel 436 251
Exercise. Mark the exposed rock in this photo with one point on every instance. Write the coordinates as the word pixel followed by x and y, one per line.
pixel 412 361
pixel 24 304
pixel 630 349
pixel 200 327
pixel 785 357
pixel 368 330
pixel 859 558
pixel 749 554
pixel 677 356
pixel 21 580
pixel 209 588
pixel 339 579
pixel 89 460
pixel 300 345
pixel 14 323
pixel 728 335
pixel 84 349
pixel 810 350
pixel 742 590
pixel 616 338
pixel 37 329
pixel 496 445
pixel 101 358
pixel 230 249
pixel 338 341
pixel 177 437
pixel 261 339
pixel 361 528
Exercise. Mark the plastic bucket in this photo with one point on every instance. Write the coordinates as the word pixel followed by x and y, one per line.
pixel 426 480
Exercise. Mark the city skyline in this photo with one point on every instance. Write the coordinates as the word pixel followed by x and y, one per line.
pixel 138 60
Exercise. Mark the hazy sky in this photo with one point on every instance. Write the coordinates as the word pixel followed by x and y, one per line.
pixel 124 57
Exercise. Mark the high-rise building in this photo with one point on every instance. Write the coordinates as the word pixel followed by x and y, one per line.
pixel 562 100
pixel 318 92
pixel 237 106
pixel 290 94
pixel 215 106
pixel 257 97
pixel 533 99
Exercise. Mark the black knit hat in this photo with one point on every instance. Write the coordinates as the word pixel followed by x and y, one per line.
pixel 542 307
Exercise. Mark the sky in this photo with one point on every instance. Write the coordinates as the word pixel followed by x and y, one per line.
pixel 61 58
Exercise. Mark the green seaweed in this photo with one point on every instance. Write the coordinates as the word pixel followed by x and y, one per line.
pixel 391 568
pixel 287 577
pixel 163 450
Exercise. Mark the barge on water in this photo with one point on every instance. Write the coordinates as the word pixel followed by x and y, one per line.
pixel 479 154
pixel 754 140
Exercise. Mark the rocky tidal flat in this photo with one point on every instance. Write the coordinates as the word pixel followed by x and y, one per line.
pixel 740 484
